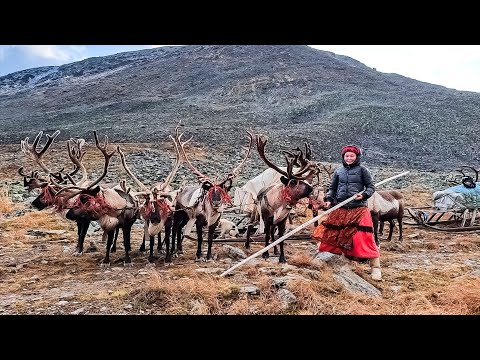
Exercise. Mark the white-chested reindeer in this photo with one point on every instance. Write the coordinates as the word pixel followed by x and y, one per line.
pixel 202 205
pixel 386 205
pixel 275 201
pixel 158 204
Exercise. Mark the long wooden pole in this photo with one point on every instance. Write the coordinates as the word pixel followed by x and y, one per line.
pixel 305 224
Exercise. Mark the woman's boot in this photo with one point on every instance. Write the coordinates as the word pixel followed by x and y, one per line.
pixel 376 272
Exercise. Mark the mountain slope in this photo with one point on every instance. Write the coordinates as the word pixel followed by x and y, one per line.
pixel 292 93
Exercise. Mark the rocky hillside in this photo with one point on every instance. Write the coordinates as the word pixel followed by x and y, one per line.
pixel 292 93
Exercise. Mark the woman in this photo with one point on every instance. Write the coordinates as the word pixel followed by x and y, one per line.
pixel 349 229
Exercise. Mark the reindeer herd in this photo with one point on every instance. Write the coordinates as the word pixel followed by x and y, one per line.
pixel 174 212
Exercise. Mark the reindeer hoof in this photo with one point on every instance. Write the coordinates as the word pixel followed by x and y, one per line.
pixel 105 265
pixel 168 263
pixel 282 260
pixel 78 253
pixel 129 263
pixel 142 248
pixel 265 255
pixel 113 249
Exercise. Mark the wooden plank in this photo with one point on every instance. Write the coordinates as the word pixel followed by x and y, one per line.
pixel 474 214
pixel 256 239
pixel 464 218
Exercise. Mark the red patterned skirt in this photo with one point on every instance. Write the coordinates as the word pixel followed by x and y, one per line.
pixel 348 231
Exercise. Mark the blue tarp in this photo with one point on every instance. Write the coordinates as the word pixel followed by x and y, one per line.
pixel 471 197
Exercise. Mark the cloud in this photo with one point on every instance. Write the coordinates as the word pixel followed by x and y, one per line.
pixel 56 53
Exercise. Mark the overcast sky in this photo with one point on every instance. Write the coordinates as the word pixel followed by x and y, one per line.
pixel 452 66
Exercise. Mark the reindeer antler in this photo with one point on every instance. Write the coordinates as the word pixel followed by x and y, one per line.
pixel 178 158
pixel 179 147
pixel 30 150
pixel 307 167
pixel 234 173
pixel 106 155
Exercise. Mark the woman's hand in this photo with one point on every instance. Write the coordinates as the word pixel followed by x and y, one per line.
pixel 359 197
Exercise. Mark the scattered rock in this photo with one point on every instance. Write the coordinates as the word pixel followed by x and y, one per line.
pixel 210 270
pixel 234 252
pixel 78 311
pixel 250 289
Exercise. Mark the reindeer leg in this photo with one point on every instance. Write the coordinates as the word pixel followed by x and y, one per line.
pixel 281 231
pixel 249 229
pixel 272 238
pixel 145 235
pixel 168 231
pixel 151 258
pixel 127 229
pixel 268 224
pixel 160 243
pixel 106 259
pixel 400 223
pixel 199 226
pixel 380 229
pixel 82 227
pixel 114 246
pixel 390 230
pixel 211 230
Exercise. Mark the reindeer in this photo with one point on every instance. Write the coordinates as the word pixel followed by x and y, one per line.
pixel 111 207
pixel 386 205
pixel 157 208
pixel 50 185
pixel 275 201
pixel 202 205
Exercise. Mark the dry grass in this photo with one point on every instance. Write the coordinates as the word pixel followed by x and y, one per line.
pixel 6 204
pixel 428 273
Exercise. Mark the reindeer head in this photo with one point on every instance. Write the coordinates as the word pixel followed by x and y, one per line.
pixel 48 185
pixel 297 184
pixel 216 191
pixel 159 200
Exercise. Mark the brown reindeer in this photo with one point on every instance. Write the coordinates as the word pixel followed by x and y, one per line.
pixel 202 205
pixel 53 182
pixel 275 201
pixel 158 204
pixel 111 207
pixel 386 205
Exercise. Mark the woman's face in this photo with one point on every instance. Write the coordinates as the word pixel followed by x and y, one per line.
pixel 349 157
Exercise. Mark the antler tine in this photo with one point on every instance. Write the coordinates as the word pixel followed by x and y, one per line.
pixel 20 171
pixel 473 169
pixel 105 154
pixel 290 162
pixel 78 154
pixel 76 159
pixel 178 158
pixel 234 173
pixel 179 146
pixel 129 172
pixel 261 142
pixel 294 156
pixel 31 150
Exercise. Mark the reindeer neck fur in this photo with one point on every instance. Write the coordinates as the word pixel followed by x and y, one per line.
pixel 273 203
